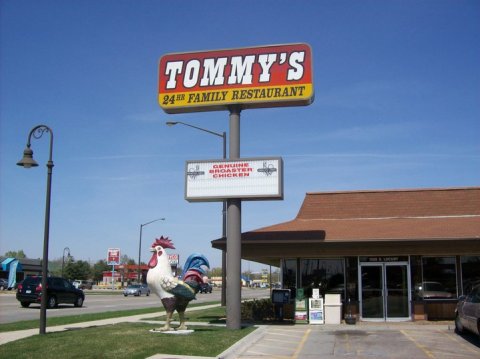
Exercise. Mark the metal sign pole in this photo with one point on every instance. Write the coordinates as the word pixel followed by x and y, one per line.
pixel 234 233
pixel 113 276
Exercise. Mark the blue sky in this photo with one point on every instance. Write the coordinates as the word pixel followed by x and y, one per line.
pixel 397 105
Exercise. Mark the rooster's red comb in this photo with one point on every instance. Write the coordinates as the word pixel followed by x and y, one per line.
pixel 164 242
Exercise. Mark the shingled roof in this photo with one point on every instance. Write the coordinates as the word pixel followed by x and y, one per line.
pixel 382 215
pixel 398 222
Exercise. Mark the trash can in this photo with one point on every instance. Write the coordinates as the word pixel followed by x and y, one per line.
pixel 333 309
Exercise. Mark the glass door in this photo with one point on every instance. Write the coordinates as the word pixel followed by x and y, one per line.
pixel 396 291
pixel 372 291
pixel 384 291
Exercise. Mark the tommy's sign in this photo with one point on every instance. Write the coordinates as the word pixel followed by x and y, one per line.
pixel 216 180
pixel 268 76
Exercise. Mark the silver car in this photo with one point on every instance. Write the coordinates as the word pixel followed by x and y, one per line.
pixel 467 313
pixel 136 290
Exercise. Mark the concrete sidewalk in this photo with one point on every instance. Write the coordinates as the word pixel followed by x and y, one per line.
pixel 363 340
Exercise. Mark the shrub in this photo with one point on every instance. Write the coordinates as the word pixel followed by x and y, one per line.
pixel 257 310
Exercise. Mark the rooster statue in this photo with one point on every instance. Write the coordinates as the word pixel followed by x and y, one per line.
pixel 175 293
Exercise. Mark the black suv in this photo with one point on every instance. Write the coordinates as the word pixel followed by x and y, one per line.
pixel 59 290
pixel 205 288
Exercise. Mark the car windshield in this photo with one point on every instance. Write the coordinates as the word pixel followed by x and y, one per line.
pixel 434 286
pixel 134 286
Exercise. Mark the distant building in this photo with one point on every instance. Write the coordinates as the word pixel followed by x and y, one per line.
pixel 15 270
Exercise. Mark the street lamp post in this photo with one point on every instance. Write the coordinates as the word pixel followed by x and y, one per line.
pixel 27 161
pixel 140 245
pixel 224 209
pixel 63 257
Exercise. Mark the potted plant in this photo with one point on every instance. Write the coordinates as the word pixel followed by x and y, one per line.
pixel 349 317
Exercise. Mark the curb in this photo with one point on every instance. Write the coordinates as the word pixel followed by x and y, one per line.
pixel 239 346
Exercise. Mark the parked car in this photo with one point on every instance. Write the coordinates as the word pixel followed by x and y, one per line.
pixel 86 284
pixel 3 284
pixel 467 313
pixel 59 291
pixel 432 290
pixel 136 290
pixel 83 284
pixel 205 288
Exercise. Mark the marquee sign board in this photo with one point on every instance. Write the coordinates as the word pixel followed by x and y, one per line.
pixel 246 178
pixel 173 259
pixel 113 256
pixel 268 76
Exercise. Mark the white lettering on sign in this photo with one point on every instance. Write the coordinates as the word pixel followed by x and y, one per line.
pixel 172 70
pixel 266 61
pixel 215 70
pixel 241 70
pixel 191 73
pixel 295 61
pixel 213 74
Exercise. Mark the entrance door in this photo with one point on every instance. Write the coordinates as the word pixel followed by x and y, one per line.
pixel 384 291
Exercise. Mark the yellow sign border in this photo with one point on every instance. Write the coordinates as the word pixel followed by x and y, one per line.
pixel 301 93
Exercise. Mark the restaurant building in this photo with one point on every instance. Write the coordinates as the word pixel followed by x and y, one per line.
pixel 393 255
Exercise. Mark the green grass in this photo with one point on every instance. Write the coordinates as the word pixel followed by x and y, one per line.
pixel 125 340
pixel 53 321
pixel 214 315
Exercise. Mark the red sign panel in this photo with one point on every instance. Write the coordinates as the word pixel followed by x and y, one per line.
pixel 268 76
pixel 113 256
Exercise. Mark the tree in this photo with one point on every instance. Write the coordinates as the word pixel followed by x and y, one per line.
pixel 127 260
pixel 215 272
pixel 98 269
pixel 77 270
pixel 16 254
pixel 55 267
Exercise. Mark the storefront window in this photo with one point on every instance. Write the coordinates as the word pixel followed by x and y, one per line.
pixel 352 278
pixel 416 276
pixel 470 272
pixel 289 274
pixel 328 275
pixel 439 278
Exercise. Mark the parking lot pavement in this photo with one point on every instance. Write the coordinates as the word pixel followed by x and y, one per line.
pixel 365 340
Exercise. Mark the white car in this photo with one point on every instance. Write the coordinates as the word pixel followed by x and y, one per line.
pixel 136 290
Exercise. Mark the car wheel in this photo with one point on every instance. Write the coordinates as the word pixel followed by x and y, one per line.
pixel 125 295
pixel 2 287
pixel 148 293
pixel 458 326
pixel 25 304
pixel 51 302
pixel 79 302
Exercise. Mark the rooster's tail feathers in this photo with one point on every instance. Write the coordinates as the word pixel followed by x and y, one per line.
pixel 196 262
pixel 193 276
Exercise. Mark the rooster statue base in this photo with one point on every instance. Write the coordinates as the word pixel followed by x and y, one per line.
pixel 175 293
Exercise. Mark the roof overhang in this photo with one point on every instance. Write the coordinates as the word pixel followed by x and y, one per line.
pixel 360 237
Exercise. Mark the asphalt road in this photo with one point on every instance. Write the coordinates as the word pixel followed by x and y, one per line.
pixel 11 311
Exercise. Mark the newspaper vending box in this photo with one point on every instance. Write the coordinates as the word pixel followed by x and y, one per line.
pixel 315 311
